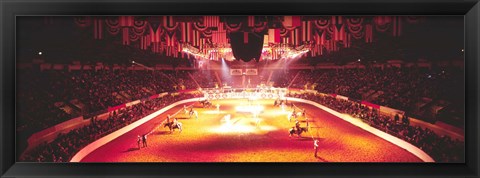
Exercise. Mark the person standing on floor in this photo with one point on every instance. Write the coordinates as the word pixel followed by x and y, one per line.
pixel 144 140
pixel 315 146
pixel 139 140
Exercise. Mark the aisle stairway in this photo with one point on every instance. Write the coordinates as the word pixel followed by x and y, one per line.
pixel 189 74
pixel 293 80
pixel 218 78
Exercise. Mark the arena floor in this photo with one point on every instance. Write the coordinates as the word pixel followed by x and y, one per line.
pixel 212 139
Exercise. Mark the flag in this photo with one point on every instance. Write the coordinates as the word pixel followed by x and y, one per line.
pixel 125 37
pixel 187 32
pixel 97 28
pixel 306 31
pixel 320 38
pixel 169 23
pixel 196 38
pixel 251 21
pixel 397 26
pixel 211 21
pixel 291 21
pixel 126 21
pixel 274 35
pixel 368 33
pixel 170 39
pixel 155 34
pixel 245 37
pixel 295 37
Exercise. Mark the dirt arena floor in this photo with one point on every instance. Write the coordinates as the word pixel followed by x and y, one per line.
pixel 212 139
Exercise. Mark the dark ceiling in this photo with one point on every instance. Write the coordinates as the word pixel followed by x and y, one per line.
pixel 62 41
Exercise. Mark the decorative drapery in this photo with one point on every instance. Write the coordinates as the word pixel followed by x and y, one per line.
pixel 168 35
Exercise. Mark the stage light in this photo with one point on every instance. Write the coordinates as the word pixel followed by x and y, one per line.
pixel 359 60
pixel 40 53
pixel 463 50
pixel 133 62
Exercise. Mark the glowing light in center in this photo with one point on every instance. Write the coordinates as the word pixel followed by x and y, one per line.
pixel 245 126
pixel 250 109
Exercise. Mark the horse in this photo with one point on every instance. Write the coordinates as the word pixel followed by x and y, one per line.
pixel 206 103
pixel 294 115
pixel 172 126
pixel 299 131
pixel 193 112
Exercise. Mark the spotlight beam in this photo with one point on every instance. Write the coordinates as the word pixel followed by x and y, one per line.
pixel 152 69
pixel 141 65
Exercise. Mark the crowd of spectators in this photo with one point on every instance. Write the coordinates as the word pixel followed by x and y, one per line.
pixel 399 88
pixel 441 147
pixel 206 79
pixel 96 90
pixel 35 102
pixel 307 79
pixel 64 147
pixel 282 78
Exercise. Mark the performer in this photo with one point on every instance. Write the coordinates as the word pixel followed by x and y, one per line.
pixel 175 122
pixel 192 112
pixel 218 108
pixel 144 140
pixel 294 115
pixel 315 146
pixel 304 113
pixel 257 120
pixel 185 109
pixel 139 140
pixel 227 118
pixel 308 125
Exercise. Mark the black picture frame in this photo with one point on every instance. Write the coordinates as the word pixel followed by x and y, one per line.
pixel 10 9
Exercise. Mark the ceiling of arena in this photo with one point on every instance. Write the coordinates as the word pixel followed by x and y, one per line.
pixel 246 38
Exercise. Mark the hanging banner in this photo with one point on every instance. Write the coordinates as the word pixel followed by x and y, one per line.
pixel 235 71
pixel 274 35
pixel 126 21
pixel 251 21
pixel 169 23
pixel 291 21
pixel 97 28
pixel 251 72
pixel 211 21
pixel 306 31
